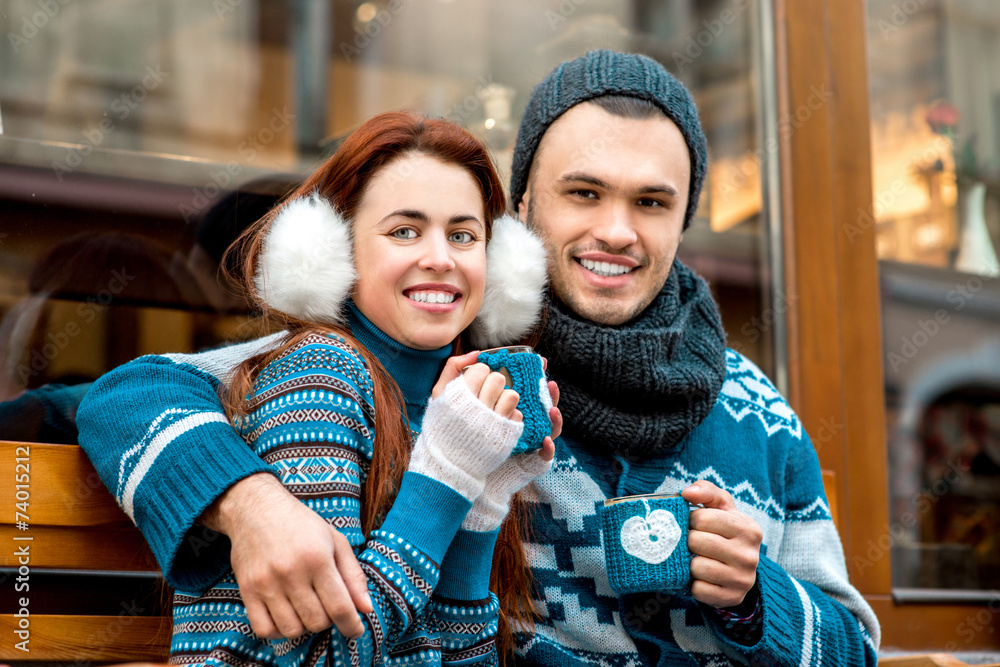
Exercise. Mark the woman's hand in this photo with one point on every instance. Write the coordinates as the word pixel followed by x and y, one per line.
pixel 486 385
pixel 470 427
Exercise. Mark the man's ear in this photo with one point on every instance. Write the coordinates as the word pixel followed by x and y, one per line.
pixel 522 207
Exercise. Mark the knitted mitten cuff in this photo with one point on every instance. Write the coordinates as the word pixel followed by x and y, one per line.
pixel 462 441
pixel 490 509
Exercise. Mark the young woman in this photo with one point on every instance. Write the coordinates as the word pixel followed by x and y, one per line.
pixel 398 220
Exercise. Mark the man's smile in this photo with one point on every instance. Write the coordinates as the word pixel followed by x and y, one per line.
pixel 604 269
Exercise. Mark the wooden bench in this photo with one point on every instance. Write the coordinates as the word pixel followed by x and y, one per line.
pixel 72 524
pixel 928 660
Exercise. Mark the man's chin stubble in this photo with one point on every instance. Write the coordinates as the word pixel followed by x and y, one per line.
pixel 606 311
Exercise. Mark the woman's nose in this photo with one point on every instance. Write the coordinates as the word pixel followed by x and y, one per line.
pixel 436 253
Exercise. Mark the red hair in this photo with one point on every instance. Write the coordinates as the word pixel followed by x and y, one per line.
pixel 342 181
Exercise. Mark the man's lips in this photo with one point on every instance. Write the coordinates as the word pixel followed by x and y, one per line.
pixel 606 265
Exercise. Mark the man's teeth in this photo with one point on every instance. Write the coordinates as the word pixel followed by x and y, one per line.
pixel 606 269
pixel 432 297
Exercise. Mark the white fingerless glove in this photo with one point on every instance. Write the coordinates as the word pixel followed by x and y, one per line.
pixel 490 509
pixel 462 441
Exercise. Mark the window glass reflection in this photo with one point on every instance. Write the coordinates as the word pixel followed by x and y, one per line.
pixel 935 108
pixel 139 138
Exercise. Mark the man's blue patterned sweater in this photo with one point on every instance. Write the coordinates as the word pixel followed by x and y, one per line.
pixel 751 445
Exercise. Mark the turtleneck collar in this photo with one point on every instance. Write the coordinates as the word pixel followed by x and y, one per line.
pixel 415 371
pixel 639 388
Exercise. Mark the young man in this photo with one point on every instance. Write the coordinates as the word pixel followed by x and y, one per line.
pixel 608 167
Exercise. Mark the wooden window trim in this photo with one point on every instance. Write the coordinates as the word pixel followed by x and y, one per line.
pixel 834 320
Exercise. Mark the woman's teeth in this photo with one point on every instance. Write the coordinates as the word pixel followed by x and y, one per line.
pixel 606 269
pixel 432 297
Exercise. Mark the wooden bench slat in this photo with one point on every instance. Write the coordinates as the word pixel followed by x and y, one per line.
pixel 64 489
pixel 830 488
pixel 926 660
pixel 80 549
pixel 74 524
pixel 116 638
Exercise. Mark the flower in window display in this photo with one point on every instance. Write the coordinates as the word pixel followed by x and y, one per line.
pixel 975 247
pixel 943 117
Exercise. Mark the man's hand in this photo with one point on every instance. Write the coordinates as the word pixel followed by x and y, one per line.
pixel 296 572
pixel 725 544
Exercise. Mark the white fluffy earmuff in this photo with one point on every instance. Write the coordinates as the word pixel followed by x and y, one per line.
pixel 516 273
pixel 306 270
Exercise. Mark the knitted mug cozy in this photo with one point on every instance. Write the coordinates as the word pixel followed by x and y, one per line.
pixel 527 378
pixel 645 543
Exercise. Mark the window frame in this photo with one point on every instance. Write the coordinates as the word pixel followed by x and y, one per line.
pixel 834 348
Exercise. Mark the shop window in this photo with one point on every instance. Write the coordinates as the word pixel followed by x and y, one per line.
pixel 138 138
pixel 935 109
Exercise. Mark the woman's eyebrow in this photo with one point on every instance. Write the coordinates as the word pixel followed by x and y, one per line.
pixel 456 219
pixel 413 214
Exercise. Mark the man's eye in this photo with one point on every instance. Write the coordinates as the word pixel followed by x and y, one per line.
pixel 650 203
pixel 584 194
pixel 403 233
pixel 461 237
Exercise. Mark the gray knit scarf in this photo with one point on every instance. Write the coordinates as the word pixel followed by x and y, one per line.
pixel 641 387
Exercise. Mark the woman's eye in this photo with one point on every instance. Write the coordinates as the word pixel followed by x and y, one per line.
pixel 461 237
pixel 403 233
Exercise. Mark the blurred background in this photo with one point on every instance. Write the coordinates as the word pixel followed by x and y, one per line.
pixel 138 138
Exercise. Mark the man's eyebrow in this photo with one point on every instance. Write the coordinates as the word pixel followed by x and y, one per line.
pixel 580 177
pixel 668 190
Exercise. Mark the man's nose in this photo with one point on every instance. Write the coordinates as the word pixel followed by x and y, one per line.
pixel 615 227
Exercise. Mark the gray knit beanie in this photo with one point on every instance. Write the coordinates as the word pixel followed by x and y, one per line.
pixel 608 73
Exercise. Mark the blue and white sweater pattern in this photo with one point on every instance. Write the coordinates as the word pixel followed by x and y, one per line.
pixel 751 445
pixel 310 423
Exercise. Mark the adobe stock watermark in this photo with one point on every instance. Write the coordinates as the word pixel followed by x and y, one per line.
pixel 57 341
pixel 122 107
pixel 758 325
pixel 753 161
pixel 829 428
pixel 462 110
pixel 975 623
pixel 899 14
pixel 561 14
pixel 363 37
pixel 224 7
pixel 922 503
pixel 887 197
pixel 705 38
pixel 459 113
pixel 114 629
pixel 227 175
pixel 641 613
pixel 928 328
pixel 30 26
